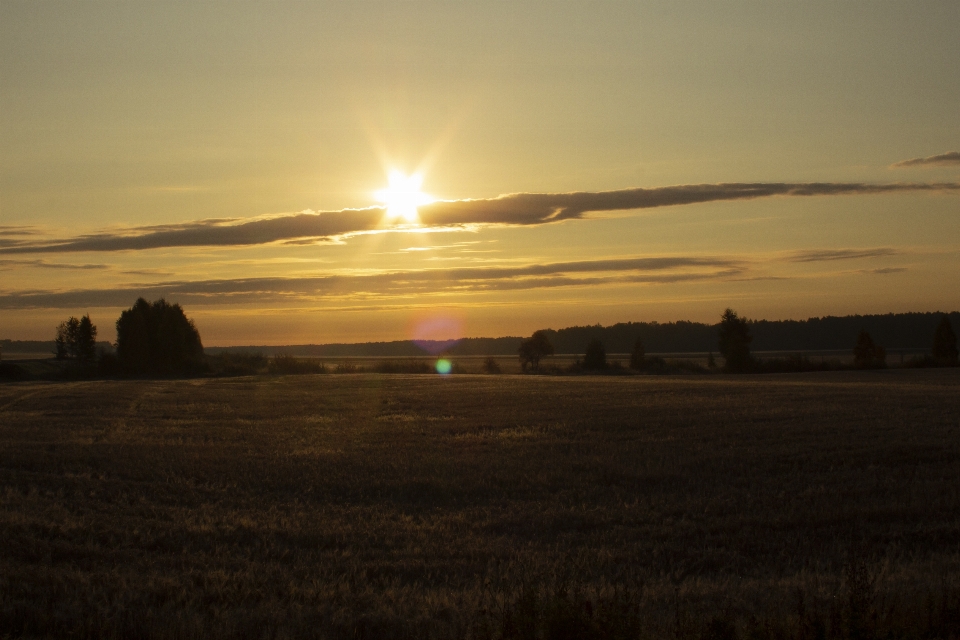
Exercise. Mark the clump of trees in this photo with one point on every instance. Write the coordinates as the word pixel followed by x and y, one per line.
pixel 157 338
pixel 77 340
pixel 867 354
pixel 595 359
pixel 945 343
pixel 734 343
pixel 534 349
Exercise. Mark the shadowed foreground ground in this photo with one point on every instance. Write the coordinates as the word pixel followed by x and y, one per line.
pixel 818 505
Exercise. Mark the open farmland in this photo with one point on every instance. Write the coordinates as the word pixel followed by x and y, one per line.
pixel 483 506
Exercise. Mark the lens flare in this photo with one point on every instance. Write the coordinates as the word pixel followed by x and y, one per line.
pixel 444 366
pixel 437 332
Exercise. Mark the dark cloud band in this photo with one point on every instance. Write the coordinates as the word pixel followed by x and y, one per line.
pixel 514 209
pixel 943 159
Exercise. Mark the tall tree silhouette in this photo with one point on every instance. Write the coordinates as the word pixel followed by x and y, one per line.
pixel 734 342
pixel 533 349
pixel 945 342
pixel 157 338
pixel 76 339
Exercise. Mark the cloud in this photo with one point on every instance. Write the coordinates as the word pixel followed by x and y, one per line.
pixel 514 209
pixel 6 264
pixel 651 270
pixel 825 255
pixel 943 159
pixel 18 230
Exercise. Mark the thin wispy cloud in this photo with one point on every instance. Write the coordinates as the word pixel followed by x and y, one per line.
pixel 7 264
pixel 18 230
pixel 943 159
pixel 823 255
pixel 362 285
pixel 393 283
pixel 522 209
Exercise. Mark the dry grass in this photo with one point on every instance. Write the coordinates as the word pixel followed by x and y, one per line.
pixel 817 505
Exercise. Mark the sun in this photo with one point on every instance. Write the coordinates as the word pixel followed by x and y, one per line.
pixel 403 196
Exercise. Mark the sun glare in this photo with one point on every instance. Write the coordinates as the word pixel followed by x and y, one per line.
pixel 403 196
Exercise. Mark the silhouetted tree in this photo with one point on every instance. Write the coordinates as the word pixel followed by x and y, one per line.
pixel 490 365
pixel 595 358
pixel 533 349
pixel 62 340
pixel 711 363
pixel 76 339
pixel 734 343
pixel 867 354
pixel 86 340
pixel 638 356
pixel 157 338
pixel 945 342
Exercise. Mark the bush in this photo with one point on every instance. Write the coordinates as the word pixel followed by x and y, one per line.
pixel 866 354
pixel 638 356
pixel 157 338
pixel 237 364
pixel 595 359
pixel 10 371
pixel 401 366
pixel 289 365
pixel 108 364
pixel 490 365
pixel 945 343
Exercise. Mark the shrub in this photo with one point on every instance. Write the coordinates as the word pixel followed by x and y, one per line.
pixel 595 358
pixel 490 365
pixel 945 343
pixel 241 363
pixel 286 364
pixel 157 338
pixel 638 355
pixel 403 366
pixel 867 354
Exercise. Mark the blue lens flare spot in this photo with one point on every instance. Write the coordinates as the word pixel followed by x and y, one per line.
pixel 444 366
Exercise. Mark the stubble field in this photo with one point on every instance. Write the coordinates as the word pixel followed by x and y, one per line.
pixel 794 506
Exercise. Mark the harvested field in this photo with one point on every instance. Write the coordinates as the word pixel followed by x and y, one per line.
pixel 795 506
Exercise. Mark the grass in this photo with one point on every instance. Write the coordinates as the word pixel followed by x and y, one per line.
pixel 366 505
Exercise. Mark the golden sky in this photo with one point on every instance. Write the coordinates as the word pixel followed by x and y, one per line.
pixel 589 162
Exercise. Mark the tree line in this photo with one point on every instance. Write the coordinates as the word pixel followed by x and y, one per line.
pixel 733 339
pixel 896 331
pixel 157 338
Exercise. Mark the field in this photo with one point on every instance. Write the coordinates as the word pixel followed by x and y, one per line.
pixel 778 506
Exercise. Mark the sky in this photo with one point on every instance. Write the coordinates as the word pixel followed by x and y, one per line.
pixel 585 162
